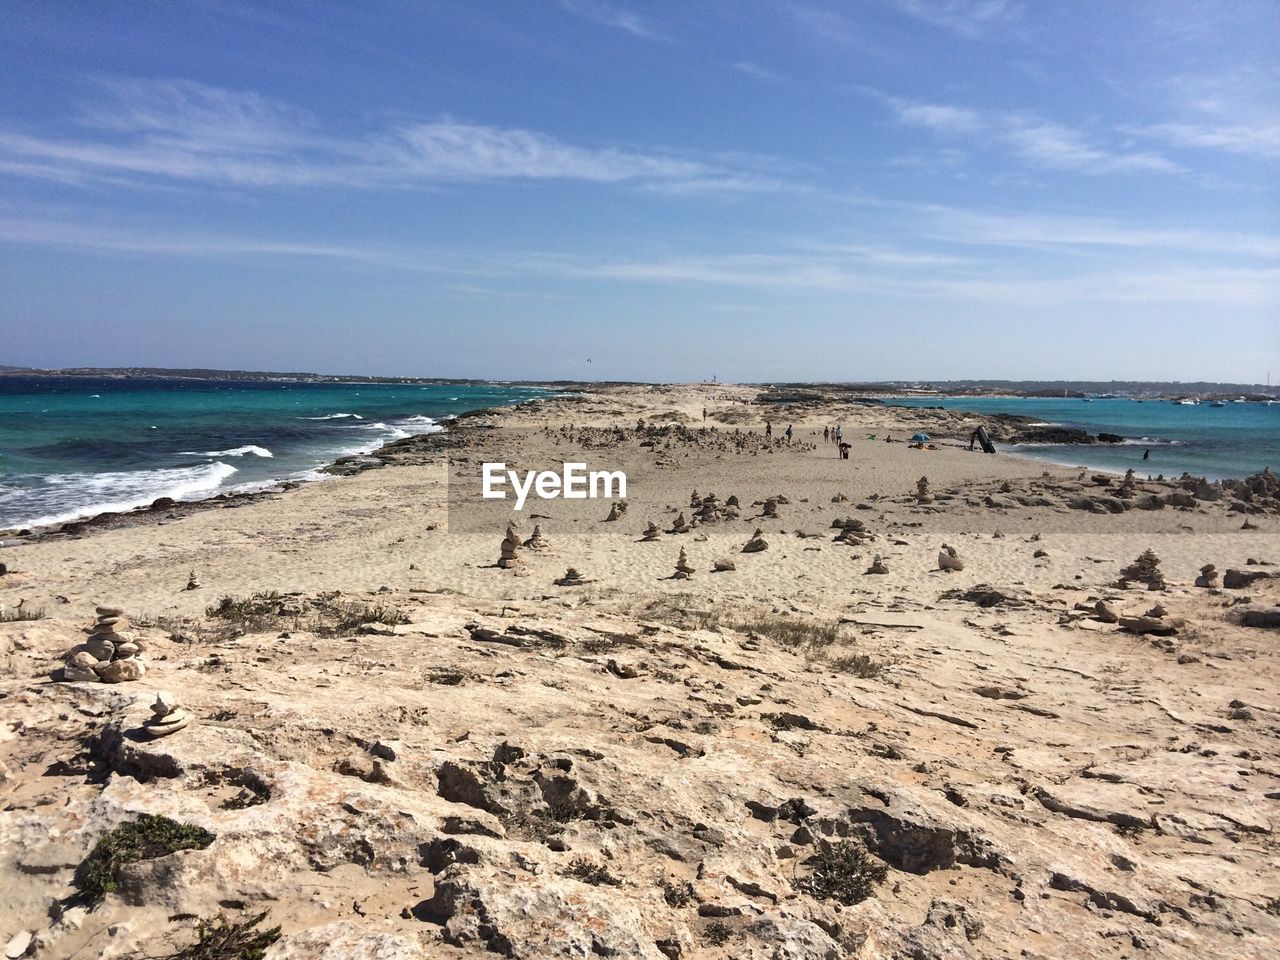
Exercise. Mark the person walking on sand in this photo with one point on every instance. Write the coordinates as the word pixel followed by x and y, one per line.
pixel 839 435
pixel 704 414
pixel 768 429
pixel 826 434
pixel 788 433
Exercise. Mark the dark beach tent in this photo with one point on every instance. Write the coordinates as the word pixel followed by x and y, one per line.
pixel 920 438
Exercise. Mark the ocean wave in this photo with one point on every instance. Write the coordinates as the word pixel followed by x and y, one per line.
pixel 393 433
pixel 88 494
pixel 234 452
pixel 335 416
pixel 1151 442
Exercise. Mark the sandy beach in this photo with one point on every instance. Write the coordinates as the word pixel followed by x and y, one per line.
pixel 403 749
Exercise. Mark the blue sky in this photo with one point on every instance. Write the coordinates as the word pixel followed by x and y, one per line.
pixel 748 189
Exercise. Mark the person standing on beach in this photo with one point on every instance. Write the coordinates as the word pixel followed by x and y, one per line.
pixel 768 429
pixel 839 434
pixel 826 434
pixel 788 433
pixel 704 414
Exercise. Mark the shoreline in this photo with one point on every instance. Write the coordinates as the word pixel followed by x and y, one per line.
pixel 383 455
pixel 266 489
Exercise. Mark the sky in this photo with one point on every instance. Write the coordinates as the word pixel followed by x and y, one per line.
pixel 757 190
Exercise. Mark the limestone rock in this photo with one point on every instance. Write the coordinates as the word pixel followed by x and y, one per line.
pixel 724 565
pixel 756 544
pixel 118 671
pixel 948 559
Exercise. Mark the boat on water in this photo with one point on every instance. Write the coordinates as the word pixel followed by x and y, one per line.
pixel 1188 403
pixel 1217 403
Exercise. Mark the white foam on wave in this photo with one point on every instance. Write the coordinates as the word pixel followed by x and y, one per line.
pixel 234 452
pixel 127 490
pixel 335 416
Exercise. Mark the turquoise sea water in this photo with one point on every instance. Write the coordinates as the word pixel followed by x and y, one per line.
pixel 1233 440
pixel 72 447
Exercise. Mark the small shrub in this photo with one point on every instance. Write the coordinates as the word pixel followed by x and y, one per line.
pixel 858 664
pixel 223 940
pixel 594 874
pixel 677 893
pixel 146 838
pixel 246 609
pixel 717 933
pixel 20 614
pixel 790 631
pixel 843 871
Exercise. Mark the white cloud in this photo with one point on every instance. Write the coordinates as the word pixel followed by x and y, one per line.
pixel 179 131
pixel 611 15
pixel 1058 147
pixel 969 18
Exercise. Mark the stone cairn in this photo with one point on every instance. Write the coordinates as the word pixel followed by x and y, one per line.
pixel 1146 569
pixel 681 525
pixel 839 498
pixel 651 533
pixel 684 569
pixel 756 543
pixel 571 578
pixel 852 530
pixel 109 655
pixel 166 717
pixel 193 582
pixel 536 540
pixel 510 550
pixel 877 566
pixel 771 508
pixel 1208 576
pixel 732 509
pixel 616 511
pixel 1128 488
pixel 711 510
pixel 695 501
pixel 922 491
pixel 949 560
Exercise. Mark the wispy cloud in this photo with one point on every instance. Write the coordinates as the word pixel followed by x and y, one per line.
pixel 1258 140
pixel 612 15
pixel 1035 141
pixel 180 131
pixel 755 70
pixel 910 271
pixel 1055 146
pixel 969 18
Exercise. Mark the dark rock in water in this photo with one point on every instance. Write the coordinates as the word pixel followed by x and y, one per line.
pixel 1110 438
pixel 161 503
pixel 1052 434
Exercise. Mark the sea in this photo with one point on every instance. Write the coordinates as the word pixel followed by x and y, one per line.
pixel 74 447
pixel 1233 440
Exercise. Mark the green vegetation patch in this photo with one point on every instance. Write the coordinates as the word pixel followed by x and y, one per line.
pixel 223 940
pixel 146 838
pixel 843 871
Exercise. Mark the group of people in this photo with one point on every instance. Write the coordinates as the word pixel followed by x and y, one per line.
pixel 768 431
pixel 836 435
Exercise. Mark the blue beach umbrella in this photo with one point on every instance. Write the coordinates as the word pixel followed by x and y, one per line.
pixel 920 438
